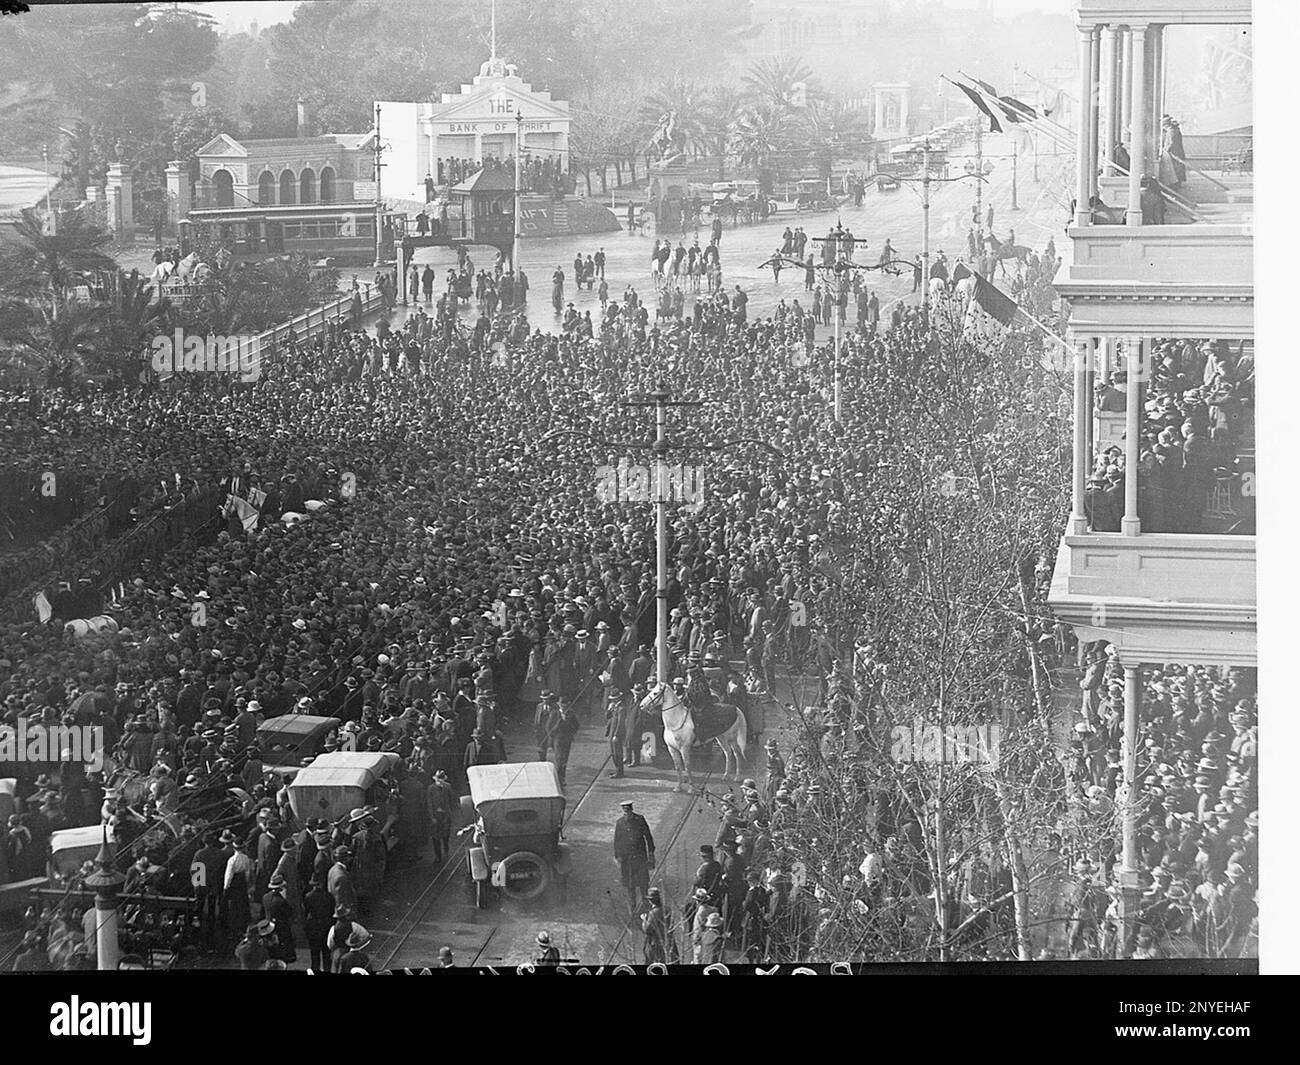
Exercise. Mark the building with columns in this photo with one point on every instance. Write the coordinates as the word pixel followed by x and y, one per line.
pixel 1161 299
pixel 477 123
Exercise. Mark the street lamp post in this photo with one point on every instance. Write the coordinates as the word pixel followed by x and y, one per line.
pixel 379 203
pixel 106 882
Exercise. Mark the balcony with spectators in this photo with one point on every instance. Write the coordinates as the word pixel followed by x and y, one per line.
pixel 1162 220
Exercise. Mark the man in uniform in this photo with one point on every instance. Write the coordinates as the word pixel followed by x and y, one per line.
pixel 634 849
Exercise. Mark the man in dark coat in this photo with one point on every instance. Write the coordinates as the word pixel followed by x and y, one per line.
pixel 563 729
pixel 252 952
pixel 319 915
pixel 634 849
pixel 621 710
pixel 734 888
pixel 709 876
pixel 276 909
pixel 440 801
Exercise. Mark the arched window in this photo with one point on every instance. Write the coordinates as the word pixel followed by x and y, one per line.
pixel 288 188
pixel 225 188
pixel 327 185
pixel 266 189
pixel 307 186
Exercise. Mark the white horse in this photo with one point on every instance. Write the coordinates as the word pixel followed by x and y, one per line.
pixel 679 733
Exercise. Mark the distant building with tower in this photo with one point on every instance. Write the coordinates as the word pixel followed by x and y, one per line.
pixel 478 123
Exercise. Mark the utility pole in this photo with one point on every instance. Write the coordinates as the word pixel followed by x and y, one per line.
pixel 925 224
pixel 1015 158
pixel 841 276
pixel 379 202
pixel 661 399
pixel 519 169
pixel 49 192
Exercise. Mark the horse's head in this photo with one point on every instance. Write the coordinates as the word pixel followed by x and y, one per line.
pixel 653 699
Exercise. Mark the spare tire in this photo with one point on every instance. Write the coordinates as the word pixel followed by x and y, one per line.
pixel 523 875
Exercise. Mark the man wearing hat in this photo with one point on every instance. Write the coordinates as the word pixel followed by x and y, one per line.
pixel 207 873
pixel 318 916
pixel 547 952
pixel 276 910
pixel 620 727
pixel 708 939
pixel 339 881
pixel 564 728
pixel 660 943
pixel 547 709
pixel 634 850
pixel 775 771
pixel 356 957
pixel 709 876
pixel 251 951
pixel 441 803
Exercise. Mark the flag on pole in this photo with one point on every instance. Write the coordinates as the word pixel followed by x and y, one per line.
pixel 1016 111
pixel 994 302
pixel 994 125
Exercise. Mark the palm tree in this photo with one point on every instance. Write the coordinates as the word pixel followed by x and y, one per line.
pixel 685 101
pixel 41 264
pixel 134 317
pixel 762 134
pixel 832 129
pixel 773 81
pixel 722 110
pixel 58 344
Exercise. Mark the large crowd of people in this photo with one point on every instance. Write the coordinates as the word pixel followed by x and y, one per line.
pixel 428 559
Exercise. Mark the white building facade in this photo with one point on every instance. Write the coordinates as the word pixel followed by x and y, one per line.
pixel 479 123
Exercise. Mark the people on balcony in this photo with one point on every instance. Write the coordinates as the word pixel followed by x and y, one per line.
pixel 1195 463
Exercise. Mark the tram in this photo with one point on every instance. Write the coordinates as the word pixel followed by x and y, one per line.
pixel 342 232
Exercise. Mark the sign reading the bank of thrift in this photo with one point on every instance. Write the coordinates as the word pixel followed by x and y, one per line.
pixel 631 482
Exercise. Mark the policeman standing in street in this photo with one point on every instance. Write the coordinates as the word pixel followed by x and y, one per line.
pixel 634 848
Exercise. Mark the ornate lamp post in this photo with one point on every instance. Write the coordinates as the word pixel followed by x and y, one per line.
pixel 105 882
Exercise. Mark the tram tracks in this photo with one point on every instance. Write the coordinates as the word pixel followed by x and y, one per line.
pixel 437 888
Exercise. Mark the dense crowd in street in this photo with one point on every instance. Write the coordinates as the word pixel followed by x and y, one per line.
pixel 430 560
